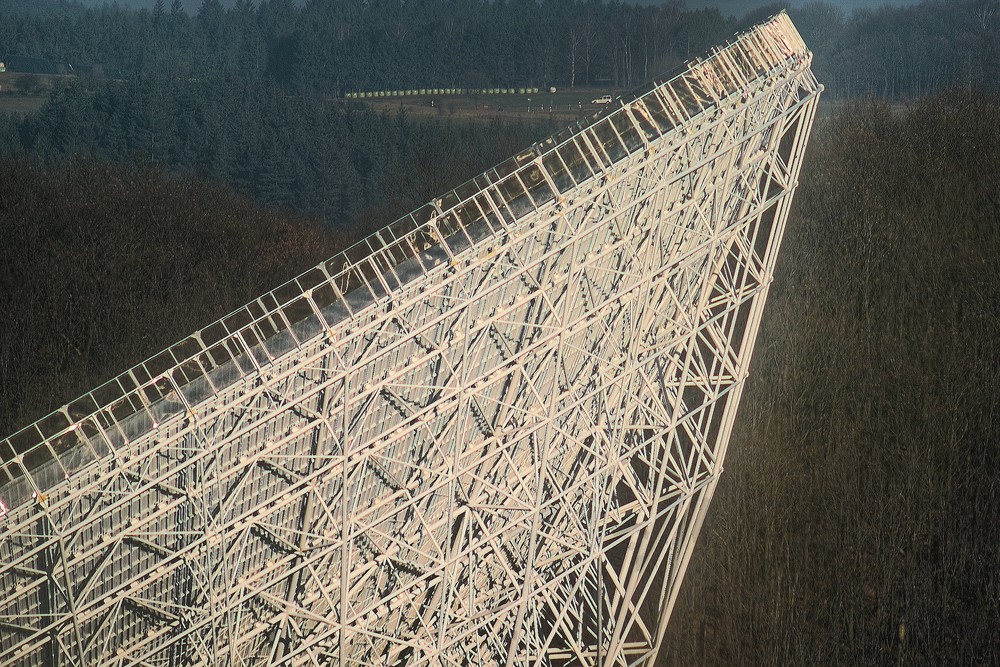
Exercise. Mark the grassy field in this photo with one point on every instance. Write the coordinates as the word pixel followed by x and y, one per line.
pixel 25 93
pixel 21 104
pixel 566 105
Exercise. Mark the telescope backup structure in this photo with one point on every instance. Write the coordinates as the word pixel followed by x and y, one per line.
pixel 487 435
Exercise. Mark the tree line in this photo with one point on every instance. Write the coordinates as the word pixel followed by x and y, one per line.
pixel 335 46
pixel 341 161
pixel 903 52
pixel 242 95
pixel 338 46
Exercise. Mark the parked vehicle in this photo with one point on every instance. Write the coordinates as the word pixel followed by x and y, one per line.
pixel 603 99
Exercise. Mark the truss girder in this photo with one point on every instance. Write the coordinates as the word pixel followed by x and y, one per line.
pixel 487 436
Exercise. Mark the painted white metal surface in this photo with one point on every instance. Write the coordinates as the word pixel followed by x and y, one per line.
pixel 487 435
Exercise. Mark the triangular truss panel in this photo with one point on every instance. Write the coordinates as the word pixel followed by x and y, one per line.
pixel 487 435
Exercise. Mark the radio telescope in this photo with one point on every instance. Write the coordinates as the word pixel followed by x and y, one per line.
pixel 487 435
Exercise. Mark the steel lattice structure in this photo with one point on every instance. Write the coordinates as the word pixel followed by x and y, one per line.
pixel 487 435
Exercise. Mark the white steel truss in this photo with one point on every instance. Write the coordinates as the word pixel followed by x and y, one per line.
pixel 487 435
